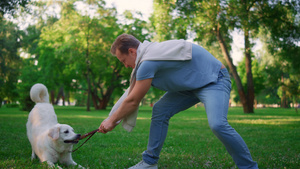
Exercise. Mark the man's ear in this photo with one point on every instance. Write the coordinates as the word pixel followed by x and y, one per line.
pixel 132 50
pixel 54 133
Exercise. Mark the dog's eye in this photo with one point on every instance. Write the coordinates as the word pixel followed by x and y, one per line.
pixel 67 131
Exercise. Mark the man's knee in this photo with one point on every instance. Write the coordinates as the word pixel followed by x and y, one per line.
pixel 217 127
pixel 158 111
pixel 162 112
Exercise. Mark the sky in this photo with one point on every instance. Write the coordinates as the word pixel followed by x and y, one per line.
pixel 144 6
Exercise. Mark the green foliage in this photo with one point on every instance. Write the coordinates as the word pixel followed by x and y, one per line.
pixel 10 62
pixel 29 76
pixel 280 75
pixel 31 39
pixel 12 105
pixel 10 6
pixel 258 75
pixel 283 31
pixel 75 51
pixel 191 146
pixel 71 49
pixel 162 20
pixel 212 21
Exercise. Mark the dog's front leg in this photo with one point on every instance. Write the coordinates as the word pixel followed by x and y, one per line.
pixel 73 163
pixel 50 159
pixel 52 165
pixel 68 160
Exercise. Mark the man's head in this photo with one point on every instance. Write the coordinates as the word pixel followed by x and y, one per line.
pixel 123 43
pixel 124 48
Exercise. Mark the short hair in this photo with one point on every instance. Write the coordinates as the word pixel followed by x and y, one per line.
pixel 123 43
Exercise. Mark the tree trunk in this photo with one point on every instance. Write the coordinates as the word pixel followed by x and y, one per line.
pixel 283 97
pixel 68 98
pixel 94 99
pixel 103 103
pixel 88 96
pixel 295 104
pixel 106 98
pixel 88 72
pixel 1 102
pixel 233 70
pixel 250 85
pixel 61 95
pixel 52 97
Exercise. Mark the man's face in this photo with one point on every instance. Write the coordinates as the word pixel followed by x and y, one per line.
pixel 129 59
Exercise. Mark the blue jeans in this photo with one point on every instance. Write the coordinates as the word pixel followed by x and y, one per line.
pixel 215 97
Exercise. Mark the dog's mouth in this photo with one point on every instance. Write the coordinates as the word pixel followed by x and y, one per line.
pixel 71 141
pixel 74 141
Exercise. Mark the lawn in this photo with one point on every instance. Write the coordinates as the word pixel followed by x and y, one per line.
pixel 272 135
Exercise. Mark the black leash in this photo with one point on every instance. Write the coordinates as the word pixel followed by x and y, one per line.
pixel 84 136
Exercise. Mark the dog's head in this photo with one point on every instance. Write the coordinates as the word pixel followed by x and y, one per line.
pixel 64 133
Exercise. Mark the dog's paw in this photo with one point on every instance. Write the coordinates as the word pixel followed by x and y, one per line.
pixel 33 156
pixel 59 167
pixel 52 165
pixel 79 166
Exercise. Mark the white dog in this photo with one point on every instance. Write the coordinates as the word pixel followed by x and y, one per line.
pixel 50 141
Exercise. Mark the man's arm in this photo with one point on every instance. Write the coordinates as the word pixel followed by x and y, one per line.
pixel 129 105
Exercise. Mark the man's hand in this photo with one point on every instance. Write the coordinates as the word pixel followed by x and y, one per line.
pixel 129 105
pixel 106 126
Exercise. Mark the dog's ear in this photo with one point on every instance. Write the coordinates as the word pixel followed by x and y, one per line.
pixel 54 133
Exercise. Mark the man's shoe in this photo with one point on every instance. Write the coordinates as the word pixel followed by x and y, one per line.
pixel 143 165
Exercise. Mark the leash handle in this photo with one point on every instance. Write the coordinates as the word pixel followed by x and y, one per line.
pixel 84 136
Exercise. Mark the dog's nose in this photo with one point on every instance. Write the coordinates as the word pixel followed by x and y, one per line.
pixel 78 137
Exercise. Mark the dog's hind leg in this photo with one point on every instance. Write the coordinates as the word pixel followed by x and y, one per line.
pixel 33 156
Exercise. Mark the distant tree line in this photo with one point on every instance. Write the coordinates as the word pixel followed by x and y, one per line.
pixel 69 51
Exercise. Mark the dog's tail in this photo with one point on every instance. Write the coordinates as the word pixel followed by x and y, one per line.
pixel 39 93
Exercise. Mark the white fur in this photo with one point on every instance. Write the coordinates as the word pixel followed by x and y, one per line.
pixel 45 134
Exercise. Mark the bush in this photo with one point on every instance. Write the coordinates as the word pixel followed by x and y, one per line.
pixel 12 105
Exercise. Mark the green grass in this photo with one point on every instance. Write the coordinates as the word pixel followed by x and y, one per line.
pixel 272 135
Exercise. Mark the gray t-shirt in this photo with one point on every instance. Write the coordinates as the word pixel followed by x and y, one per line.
pixel 181 75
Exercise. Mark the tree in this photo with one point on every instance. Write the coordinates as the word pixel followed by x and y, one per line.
pixel 29 74
pixel 9 6
pixel 10 61
pixel 28 77
pixel 272 70
pixel 162 20
pixel 258 75
pixel 212 22
pixel 281 36
pixel 207 20
pixel 78 45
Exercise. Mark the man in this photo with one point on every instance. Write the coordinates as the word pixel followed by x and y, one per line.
pixel 189 74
